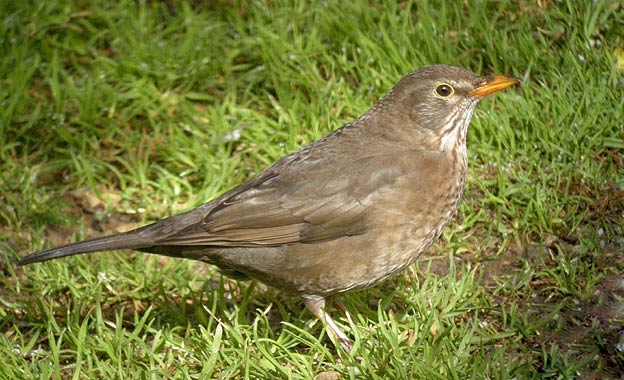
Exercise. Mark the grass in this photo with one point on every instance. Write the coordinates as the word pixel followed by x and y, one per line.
pixel 119 113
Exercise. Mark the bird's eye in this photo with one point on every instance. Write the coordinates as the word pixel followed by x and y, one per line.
pixel 444 90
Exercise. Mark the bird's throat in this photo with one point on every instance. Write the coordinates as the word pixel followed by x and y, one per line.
pixel 454 136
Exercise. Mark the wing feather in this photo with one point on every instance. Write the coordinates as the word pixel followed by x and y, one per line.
pixel 282 207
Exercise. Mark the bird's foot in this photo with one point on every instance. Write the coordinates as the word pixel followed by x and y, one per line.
pixel 316 305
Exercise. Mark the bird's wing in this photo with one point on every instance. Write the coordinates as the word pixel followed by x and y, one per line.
pixel 282 206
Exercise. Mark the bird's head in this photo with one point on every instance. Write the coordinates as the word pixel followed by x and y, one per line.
pixel 434 104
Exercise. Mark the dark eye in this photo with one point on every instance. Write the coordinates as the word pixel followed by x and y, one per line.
pixel 444 90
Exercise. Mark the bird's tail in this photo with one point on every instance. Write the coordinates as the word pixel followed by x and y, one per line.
pixel 128 240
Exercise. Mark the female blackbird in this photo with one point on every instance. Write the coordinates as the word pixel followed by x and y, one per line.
pixel 343 213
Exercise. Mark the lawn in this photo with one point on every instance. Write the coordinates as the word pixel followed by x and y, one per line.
pixel 116 114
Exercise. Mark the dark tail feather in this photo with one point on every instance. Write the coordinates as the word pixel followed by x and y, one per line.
pixel 128 240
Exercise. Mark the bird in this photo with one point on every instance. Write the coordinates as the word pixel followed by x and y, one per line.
pixel 343 213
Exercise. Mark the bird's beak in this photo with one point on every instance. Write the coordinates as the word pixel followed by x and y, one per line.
pixel 492 84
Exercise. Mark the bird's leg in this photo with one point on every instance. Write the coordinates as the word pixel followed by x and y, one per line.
pixel 316 305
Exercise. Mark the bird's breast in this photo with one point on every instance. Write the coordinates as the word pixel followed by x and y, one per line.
pixel 416 210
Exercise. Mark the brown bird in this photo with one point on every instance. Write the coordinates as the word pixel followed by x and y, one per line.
pixel 343 213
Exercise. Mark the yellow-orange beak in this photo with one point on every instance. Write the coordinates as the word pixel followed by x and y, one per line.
pixel 493 84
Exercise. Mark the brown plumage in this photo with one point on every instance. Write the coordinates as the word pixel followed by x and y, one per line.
pixel 342 213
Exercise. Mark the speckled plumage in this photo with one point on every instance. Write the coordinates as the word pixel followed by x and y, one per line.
pixel 342 213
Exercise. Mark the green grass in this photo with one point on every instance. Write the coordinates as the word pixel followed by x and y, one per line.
pixel 151 108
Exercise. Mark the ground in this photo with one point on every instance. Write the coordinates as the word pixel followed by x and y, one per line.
pixel 117 114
